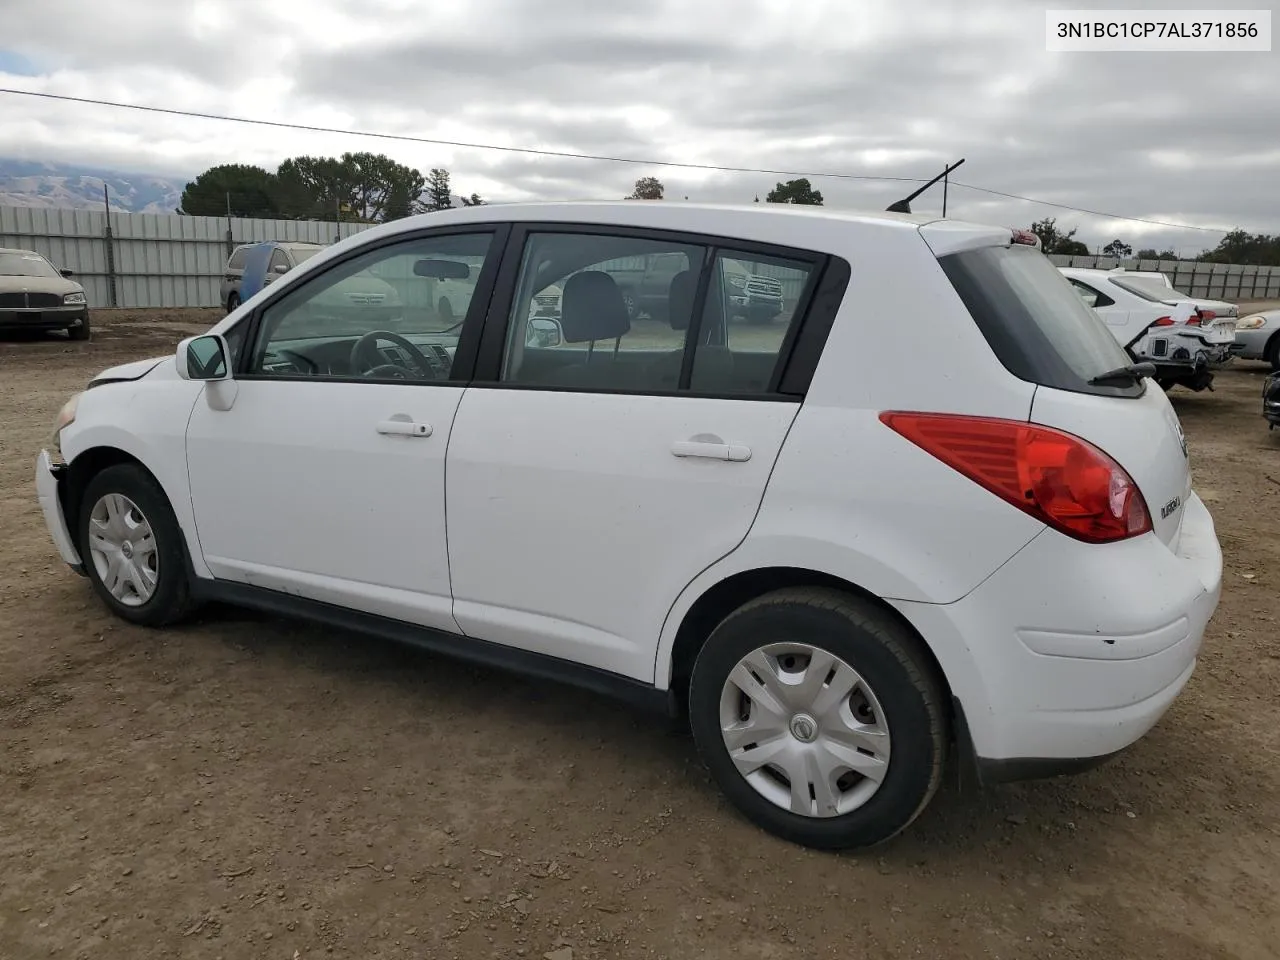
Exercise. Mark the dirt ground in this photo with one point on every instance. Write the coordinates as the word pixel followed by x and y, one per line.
pixel 248 788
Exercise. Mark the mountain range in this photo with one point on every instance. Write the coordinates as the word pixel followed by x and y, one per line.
pixel 25 183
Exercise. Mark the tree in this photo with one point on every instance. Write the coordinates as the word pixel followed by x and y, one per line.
pixel 472 201
pixel 314 188
pixel 1241 247
pixel 252 192
pixel 1149 253
pixel 439 195
pixel 1053 240
pixel 647 188
pixel 380 188
pixel 795 191
pixel 371 186
pixel 1118 249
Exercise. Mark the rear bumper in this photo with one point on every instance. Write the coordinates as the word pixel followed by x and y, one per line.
pixel 54 318
pixel 48 480
pixel 1071 652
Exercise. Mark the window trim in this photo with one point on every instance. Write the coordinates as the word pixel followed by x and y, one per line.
pixel 1102 299
pixel 464 361
pixel 790 379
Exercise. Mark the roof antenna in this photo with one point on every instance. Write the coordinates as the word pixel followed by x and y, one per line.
pixel 904 205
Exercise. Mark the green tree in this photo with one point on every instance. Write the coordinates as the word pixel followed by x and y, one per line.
pixel 1150 253
pixel 252 192
pixel 473 201
pixel 795 191
pixel 1239 246
pixel 381 189
pixel 647 188
pixel 1053 240
pixel 315 187
pixel 369 187
pixel 439 195
pixel 1118 249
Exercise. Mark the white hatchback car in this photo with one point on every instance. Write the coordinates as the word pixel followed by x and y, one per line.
pixel 842 562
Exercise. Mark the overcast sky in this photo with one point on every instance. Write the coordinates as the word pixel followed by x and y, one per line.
pixel 872 88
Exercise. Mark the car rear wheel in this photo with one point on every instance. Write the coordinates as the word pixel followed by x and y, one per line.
pixel 131 546
pixel 820 717
pixel 233 301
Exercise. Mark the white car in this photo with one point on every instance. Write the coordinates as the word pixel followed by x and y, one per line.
pixel 1184 337
pixel 841 563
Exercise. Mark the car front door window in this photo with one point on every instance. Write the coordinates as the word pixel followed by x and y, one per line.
pixel 377 316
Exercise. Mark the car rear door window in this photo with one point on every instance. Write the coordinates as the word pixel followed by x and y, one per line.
pixel 751 306
pixel 1036 324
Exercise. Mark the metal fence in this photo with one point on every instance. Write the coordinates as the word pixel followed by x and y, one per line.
pixel 167 260
pixel 147 259
pixel 1213 281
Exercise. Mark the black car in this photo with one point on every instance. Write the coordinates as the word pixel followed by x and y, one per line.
pixel 1271 399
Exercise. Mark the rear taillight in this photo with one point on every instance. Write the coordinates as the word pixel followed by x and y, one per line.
pixel 1056 477
pixel 1201 317
pixel 1164 322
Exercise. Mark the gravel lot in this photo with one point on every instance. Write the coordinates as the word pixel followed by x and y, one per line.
pixel 244 787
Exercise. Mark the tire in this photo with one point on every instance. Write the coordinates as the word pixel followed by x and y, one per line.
pixel 233 301
pixel 81 332
pixel 444 310
pixel 125 485
pixel 1272 354
pixel 896 692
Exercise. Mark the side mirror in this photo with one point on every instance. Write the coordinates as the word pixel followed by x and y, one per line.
pixel 203 358
pixel 67 273
pixel 542 332
pixel 280 268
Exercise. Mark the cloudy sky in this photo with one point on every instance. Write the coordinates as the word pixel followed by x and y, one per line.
pixel 870 88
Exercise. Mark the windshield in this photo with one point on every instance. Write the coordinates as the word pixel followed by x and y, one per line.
pixel 304 253
pixel 1035 322
pixel 25 265
pixel 1149 288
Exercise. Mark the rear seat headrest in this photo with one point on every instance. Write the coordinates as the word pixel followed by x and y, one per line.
pixel 680 299
pixel 592 308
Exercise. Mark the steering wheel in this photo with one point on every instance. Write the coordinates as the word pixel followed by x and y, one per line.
pixel 366 363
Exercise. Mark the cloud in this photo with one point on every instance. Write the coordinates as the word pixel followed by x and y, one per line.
pixel 870 88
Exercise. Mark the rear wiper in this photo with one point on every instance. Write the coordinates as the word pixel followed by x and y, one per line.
pixel 1131 373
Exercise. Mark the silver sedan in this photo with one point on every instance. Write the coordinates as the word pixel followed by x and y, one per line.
pixel 1256 334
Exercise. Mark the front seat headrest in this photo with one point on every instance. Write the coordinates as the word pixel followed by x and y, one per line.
pixel 592 308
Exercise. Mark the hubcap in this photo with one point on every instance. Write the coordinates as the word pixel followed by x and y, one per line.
pixel 123 549
pixel 804 729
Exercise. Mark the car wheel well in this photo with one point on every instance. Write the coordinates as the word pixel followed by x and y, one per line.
pixel 83 469
pixel 731 593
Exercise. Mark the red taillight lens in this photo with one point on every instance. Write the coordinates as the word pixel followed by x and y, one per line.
pixel 1057 478
pixel 1164 322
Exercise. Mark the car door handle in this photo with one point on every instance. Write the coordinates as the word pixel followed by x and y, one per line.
pixel 736 452
pixel 404 428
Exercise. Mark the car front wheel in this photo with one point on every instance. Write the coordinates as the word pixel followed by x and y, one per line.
pixel 132 546
pixel 820 717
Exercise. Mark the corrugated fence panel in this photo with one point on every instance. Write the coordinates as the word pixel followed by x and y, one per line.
pixel 167 260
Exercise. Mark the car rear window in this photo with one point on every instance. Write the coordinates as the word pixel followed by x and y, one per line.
pixel 1036 324
pixel 1149 288
pixel 236 261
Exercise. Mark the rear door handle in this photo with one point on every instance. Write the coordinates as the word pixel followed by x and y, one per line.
pixel 736 452
pixel 404 428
